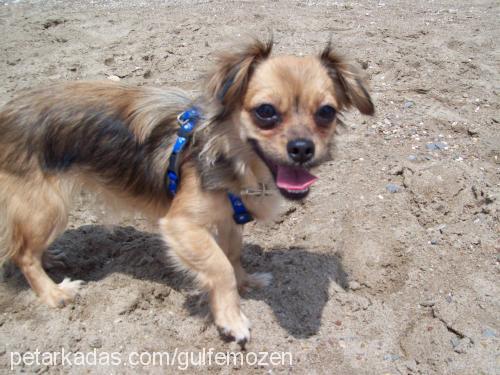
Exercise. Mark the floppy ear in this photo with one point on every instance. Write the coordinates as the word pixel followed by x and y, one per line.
pixel 228 81
pixel 348 82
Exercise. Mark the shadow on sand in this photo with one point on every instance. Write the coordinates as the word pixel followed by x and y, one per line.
pixel 297 295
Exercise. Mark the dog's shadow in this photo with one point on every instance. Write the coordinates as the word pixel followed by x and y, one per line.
pixel 297 295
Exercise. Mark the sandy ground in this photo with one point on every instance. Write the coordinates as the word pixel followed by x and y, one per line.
pixel 365 281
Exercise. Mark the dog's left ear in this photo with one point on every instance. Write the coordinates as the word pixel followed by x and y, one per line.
pixel 349 85
pixel 228 82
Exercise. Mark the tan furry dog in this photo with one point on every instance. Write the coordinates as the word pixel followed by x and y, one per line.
pixel 264 122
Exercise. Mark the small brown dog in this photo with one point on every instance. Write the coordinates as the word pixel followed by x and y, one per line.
pixel 262 123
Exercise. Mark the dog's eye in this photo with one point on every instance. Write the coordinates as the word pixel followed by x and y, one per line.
pixel 266 115
pixel 325 115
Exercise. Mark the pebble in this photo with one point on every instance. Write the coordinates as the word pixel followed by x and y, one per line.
pixel 427 303
pixel 436 146
pixel 392 188
pixel 412 157
pixel 391 357
pixel 96 343
pixel 397 170
pixel 409 104
pixel 354 285
pixel 434 242
pixel 411 365
pixel 114 78
pixel 463 346
pixel 472 130
pixel 488 332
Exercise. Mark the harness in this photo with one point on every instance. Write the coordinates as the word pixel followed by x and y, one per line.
pixel 187 121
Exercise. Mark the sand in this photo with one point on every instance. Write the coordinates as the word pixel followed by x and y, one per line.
pixel 366 281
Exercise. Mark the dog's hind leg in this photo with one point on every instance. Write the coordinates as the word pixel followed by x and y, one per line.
pixel 36 213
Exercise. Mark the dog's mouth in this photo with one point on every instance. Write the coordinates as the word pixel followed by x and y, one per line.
pixel 293 182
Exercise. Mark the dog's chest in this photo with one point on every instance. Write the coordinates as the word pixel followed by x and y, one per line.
pixel 263 207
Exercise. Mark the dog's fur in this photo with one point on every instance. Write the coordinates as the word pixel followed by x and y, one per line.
pixel 116 140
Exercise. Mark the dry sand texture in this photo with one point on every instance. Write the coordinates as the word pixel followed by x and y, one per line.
pixel 366 281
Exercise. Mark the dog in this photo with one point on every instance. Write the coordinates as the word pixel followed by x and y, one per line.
pixel 261 124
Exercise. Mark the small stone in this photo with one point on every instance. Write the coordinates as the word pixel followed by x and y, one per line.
pixel 412 157
pixel 409 104
pixel 463 346
pixel 427 303
pixel 53 22
pixel 455 341
pixel 392 188
pixel 436 146
pixel 96 343
pixel 354 285
pixel 411 365
pixel 147 74
pixel 434 242
pixel 114 78
pixel 472 131
pixel 109 61
pixel 397 170
pixel 488 332
pixel 391 357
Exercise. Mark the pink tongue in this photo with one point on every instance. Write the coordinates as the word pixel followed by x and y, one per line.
pixel 290 178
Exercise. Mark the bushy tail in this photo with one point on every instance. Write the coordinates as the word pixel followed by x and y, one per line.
pixel 7 249
pixel 8 243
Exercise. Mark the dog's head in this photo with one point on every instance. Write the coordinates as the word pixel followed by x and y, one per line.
pixel 286 107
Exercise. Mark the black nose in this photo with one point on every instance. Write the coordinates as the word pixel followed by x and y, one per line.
pixel 300 150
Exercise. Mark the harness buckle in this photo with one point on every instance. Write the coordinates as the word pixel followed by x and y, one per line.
pixel 187 122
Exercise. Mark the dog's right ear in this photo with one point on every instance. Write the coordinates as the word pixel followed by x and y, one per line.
pixel 228 81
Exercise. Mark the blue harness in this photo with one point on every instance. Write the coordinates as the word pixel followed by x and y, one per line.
pixel 187 122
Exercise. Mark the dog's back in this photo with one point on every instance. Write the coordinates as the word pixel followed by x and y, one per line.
pixel 110 137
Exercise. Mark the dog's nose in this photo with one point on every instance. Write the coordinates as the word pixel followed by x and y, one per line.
pixel 300 150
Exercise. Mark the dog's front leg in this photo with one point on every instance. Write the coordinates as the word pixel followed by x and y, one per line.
pixel 229 238
pixel 196 250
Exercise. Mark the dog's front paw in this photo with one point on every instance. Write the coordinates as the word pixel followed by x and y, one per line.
pixel 234 326
pixel 62 294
